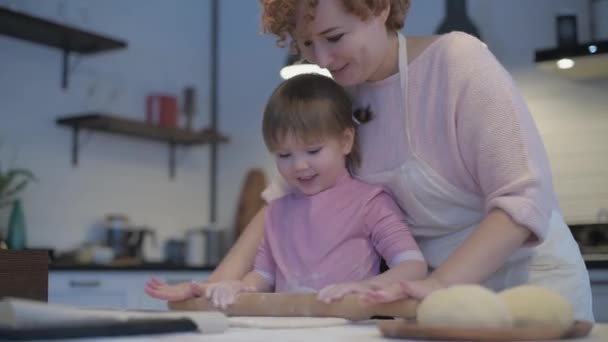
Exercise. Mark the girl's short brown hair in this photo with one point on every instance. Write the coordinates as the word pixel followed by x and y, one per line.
pixel 278 16
pixel 310 107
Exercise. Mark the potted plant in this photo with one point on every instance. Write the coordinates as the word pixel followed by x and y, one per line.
pixel 12 182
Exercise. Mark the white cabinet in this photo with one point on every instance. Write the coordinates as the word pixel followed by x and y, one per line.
pixel 90 289
pixel 112 289
pixel 599 288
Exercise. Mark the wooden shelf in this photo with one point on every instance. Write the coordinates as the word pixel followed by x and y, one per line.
pixel 140 129
pixel 57 35
pixel 137 129
pixel 42 31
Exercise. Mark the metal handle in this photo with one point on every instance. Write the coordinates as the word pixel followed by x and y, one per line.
pixel 85 283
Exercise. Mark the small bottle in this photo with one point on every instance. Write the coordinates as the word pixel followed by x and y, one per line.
pixel 15 238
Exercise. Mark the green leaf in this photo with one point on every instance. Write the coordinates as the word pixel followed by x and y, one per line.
pixel 14 190
pixel 21 176
pixel 21 172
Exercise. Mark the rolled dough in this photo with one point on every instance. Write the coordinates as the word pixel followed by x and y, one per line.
pixel 464 306
pixel 263 322
pixel 533 305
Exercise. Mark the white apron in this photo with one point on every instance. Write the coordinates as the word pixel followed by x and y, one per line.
pixel 442 217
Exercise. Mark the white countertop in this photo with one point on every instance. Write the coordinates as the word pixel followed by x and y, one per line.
pixel 348 333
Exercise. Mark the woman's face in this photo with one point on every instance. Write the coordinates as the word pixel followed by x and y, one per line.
pixel 351 49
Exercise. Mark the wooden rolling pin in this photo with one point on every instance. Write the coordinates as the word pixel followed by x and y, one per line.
pixel 302 305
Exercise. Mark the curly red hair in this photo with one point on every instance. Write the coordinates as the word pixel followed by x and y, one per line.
pixel 278 16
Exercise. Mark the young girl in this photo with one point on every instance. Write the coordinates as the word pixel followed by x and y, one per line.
pixel 329 232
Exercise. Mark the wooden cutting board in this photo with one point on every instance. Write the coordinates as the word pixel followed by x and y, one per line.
pixel 411 330
pixel 250 200
pixel 302 305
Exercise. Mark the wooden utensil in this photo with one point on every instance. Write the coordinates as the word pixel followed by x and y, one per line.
pixel 250 200
pixel 410 330
pixel 302 305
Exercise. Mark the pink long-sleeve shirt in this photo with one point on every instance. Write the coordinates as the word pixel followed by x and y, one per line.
pixel 468 122
pixel 337 235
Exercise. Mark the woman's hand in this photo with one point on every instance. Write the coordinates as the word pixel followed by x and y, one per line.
pixel 223 293
pixel 335 292
pixel 158 289
pixel 415 289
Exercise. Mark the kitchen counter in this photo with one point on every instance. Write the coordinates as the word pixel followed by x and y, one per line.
pixel 592 261
pixel 349 333
pixel 146 266
pixel 595 261
pixel 596 264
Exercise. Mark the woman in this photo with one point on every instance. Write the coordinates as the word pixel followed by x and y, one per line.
pixel 450 137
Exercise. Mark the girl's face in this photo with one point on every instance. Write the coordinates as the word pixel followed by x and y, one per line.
pixel 351 49
pixel 313 167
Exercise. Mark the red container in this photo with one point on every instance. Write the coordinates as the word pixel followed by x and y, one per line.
pixel 161 110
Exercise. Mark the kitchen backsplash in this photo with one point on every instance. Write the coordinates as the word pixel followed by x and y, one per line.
pixel 573 121
pixel 121 175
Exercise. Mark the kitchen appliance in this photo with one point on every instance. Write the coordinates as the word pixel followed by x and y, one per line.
pixel 175 251
pixel 567 32
pixel 600 18
pixel 215 246
pixel 457 19
pixel 573 59
pixel 196 243
pixel 205 246
pixel 592 238
pixel 126 240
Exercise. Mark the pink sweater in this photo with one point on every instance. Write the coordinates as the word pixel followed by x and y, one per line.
pixel 468 121
pixel 337 235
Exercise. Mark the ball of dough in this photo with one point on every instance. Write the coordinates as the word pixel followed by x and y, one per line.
pixel 464 306
pixel 532 305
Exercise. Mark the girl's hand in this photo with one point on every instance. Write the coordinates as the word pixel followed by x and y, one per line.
pixel 224 293
pixel 415 289
pixel 160 290
pixel 335 292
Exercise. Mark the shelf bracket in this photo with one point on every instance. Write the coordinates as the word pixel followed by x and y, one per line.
pixel 76 150
pixel 75 144
pixel 172 160
pixel 65 70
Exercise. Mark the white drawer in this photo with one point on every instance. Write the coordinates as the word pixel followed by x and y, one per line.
pixel 91 300
pixel 90 289
pixel 113 290
pixel 600 302
pixel 83 281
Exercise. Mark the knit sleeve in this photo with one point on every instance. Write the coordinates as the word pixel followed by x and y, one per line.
pixel 498 139
pixel 389 233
